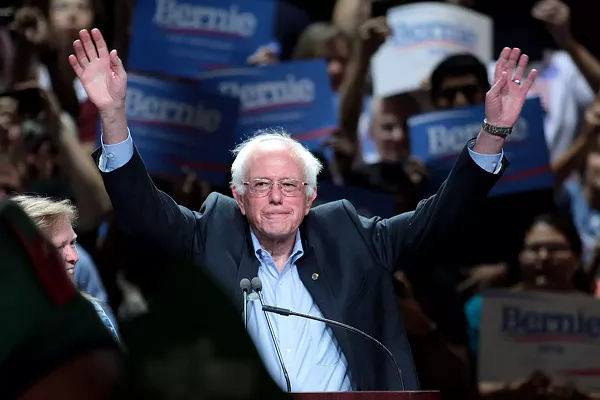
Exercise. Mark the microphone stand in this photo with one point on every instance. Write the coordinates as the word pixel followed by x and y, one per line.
pixel 246 287
pixel 246 310
pixel 285 312
pixel 285 373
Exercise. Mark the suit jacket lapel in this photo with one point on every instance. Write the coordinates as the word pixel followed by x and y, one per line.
pixel 317 283
pixel 248 268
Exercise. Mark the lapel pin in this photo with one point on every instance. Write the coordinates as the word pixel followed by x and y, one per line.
pixel 315 276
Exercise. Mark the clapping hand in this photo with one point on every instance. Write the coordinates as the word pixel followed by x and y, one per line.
pixel 504 101
pixel 101 73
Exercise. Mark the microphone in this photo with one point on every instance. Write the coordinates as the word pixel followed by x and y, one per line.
pixel 246 288
pixel 287 313
pixel 257 287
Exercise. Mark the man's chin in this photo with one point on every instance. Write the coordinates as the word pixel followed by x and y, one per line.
pixel 278 233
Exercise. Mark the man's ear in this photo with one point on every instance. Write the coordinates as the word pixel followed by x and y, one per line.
pixel 309 200
pixel 239 200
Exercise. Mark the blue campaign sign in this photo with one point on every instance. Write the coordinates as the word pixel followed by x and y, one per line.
pixel 176 126
pixel 185 37
pixel 438 137
pixel 295 96
pixel 367 203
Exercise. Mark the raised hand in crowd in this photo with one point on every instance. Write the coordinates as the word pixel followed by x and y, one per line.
pixel 372 35
pixel 557 17
pixel 556 14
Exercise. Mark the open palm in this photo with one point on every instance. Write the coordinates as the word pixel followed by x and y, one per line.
pixel 101 73
pixel 504 101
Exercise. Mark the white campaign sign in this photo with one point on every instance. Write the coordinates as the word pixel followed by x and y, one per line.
pixel 423 34
pixel 526 331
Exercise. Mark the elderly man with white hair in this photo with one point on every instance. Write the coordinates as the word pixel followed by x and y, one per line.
pixel 323 261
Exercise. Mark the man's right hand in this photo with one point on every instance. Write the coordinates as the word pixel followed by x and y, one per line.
pixel 101 73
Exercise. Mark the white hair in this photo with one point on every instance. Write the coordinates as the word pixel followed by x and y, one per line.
pixel 45 211
pixel 245 150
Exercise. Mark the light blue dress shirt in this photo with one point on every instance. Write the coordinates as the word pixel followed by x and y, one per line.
pixel 87 277
pixel 311 354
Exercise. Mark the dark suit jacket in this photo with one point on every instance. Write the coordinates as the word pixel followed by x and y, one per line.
pixel 354 257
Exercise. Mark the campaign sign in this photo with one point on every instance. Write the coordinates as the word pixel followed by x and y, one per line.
pixel 522 332
pixel 437 138
pixel 175 126
pixel 185 37
pixel 367 203
pixel 293 96
pixel 423 34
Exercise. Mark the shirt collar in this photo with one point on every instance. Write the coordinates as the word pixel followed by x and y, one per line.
pixel 259 252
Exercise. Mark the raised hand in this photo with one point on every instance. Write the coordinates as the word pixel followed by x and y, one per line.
pixel 101 73
pixel 504 101
pixel 556 15
pixel 373 34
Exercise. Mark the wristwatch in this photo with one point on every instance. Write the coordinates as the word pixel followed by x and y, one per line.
pixel 502 131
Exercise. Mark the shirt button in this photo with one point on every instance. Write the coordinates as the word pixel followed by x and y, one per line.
pixel 494 164
pixel 111 155
pixel 288 350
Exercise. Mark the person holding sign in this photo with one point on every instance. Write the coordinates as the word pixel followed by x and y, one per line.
pixel 323 261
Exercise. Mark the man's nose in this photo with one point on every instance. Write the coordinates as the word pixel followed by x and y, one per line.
pixel 334 67
pixel 543 255
pixel 460 99
pixel 275 194
pixel 397 134
pixel 70 254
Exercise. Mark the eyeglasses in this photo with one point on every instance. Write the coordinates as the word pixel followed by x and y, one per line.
pixel 469 91
pixel 554 250
pixel 288 187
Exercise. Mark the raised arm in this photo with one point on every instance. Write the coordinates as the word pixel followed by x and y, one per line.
pixel 140 208
pixel 556 14
pixel 441 219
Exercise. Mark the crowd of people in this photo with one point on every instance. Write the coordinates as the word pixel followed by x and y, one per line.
pixel 113 226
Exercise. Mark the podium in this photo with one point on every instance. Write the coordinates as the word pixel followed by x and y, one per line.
pixel 422 395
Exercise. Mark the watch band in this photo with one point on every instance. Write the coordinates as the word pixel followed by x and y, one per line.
pixel 502 131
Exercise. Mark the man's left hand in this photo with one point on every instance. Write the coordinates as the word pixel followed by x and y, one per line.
pixel 504 101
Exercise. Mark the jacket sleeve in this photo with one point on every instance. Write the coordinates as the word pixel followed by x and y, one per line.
pixel 149 215
pixel 439 222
